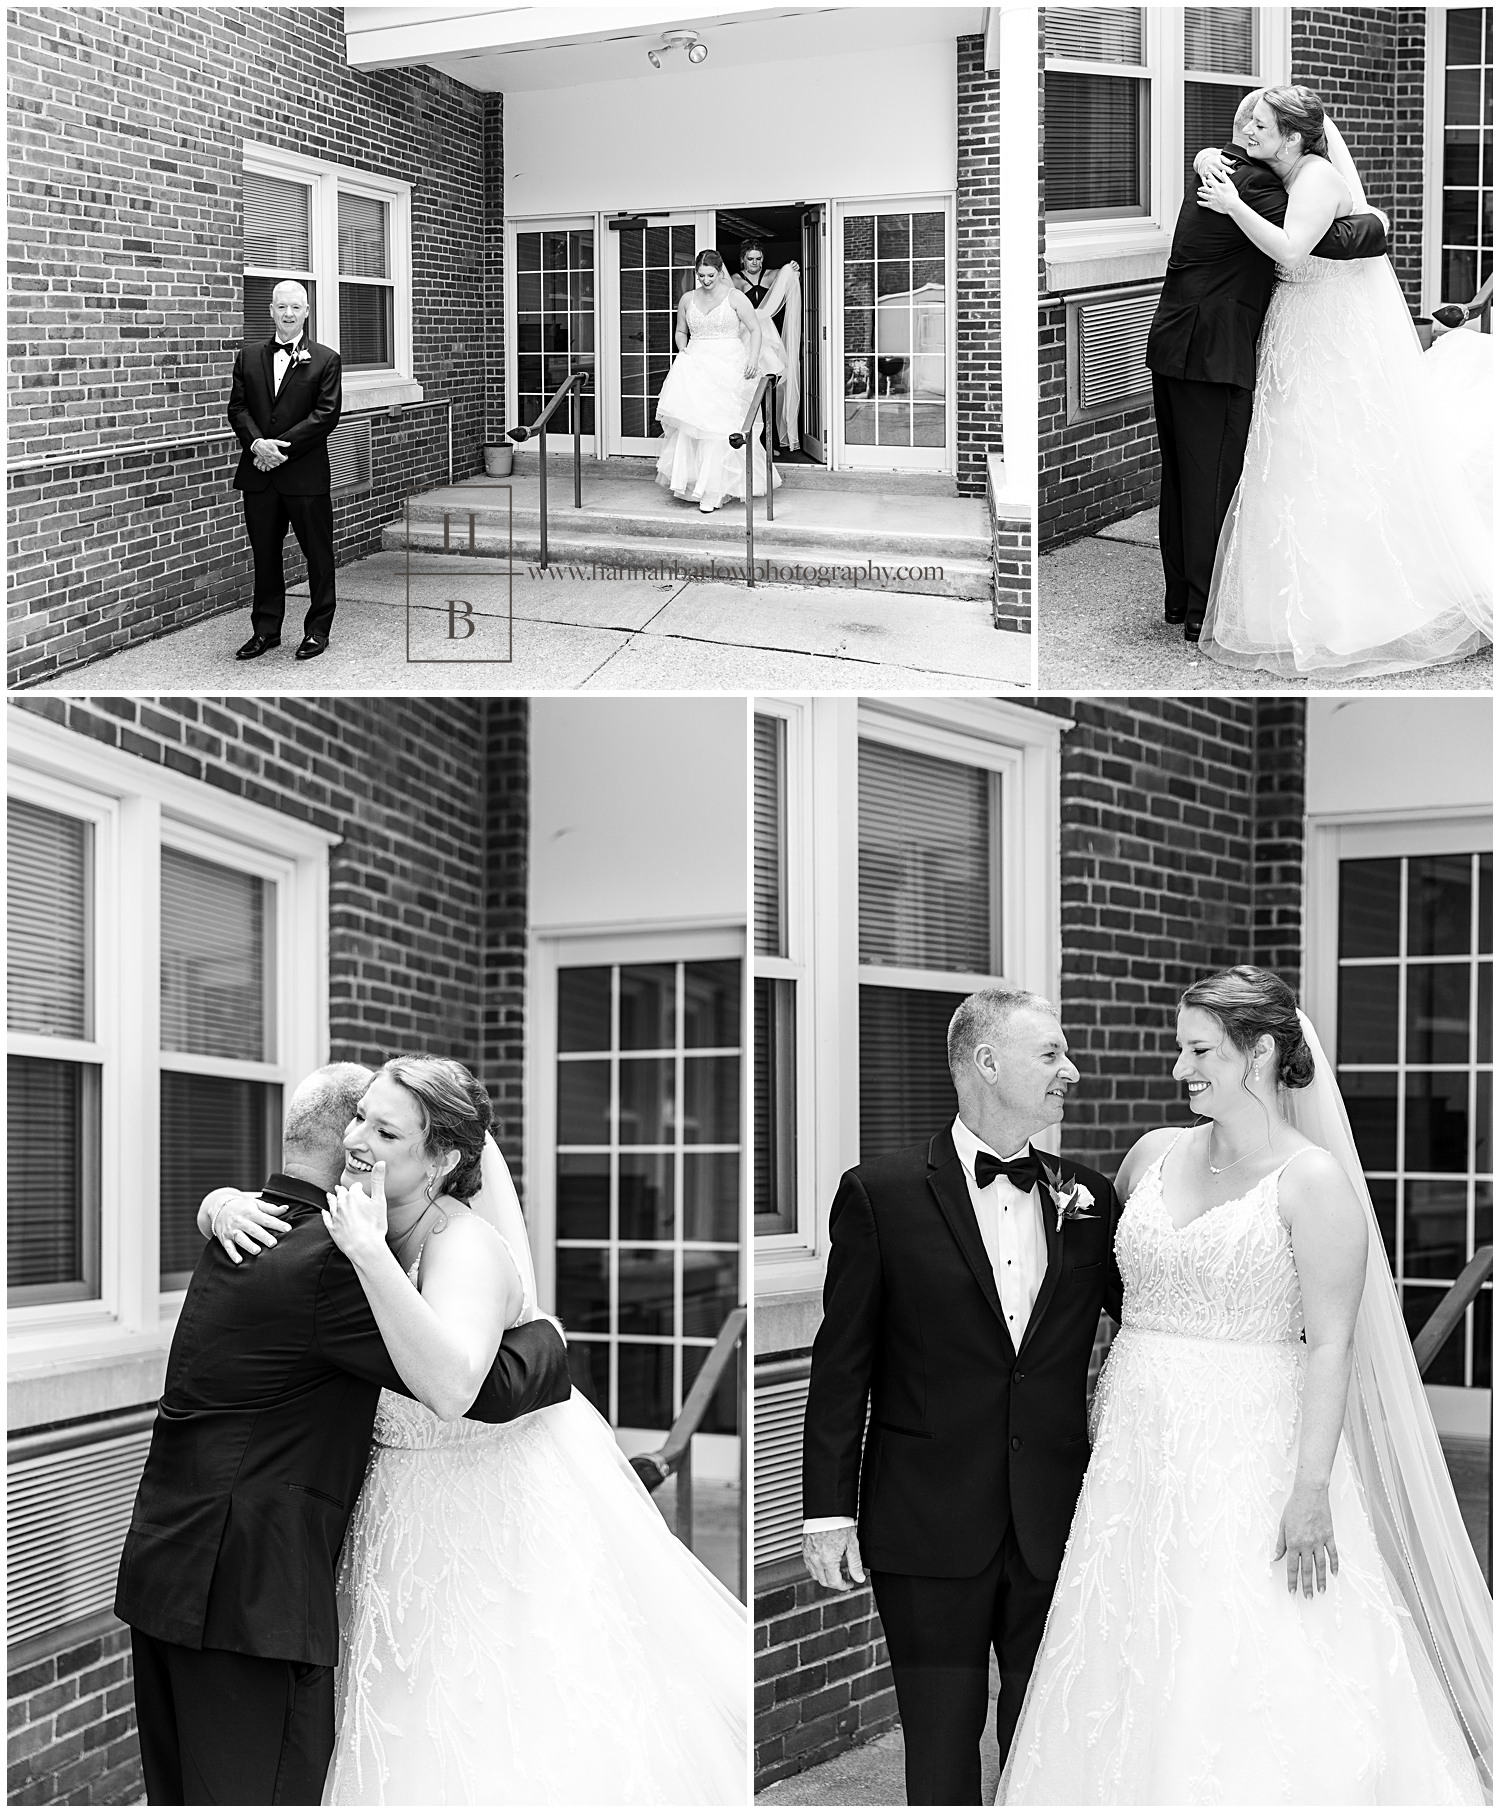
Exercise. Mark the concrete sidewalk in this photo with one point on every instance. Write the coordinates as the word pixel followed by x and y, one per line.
pixel 570 634
pixel 1099 628
pixel 872 1775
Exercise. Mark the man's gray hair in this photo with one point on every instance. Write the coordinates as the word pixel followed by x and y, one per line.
pixel 981 1020
pixel 323 1105
pixel 290 283
pixel 1245 109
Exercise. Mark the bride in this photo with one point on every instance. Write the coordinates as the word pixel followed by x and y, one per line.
pixel 723 349
pixel 518 1625
pixel 1353 545
pixel 1268 1595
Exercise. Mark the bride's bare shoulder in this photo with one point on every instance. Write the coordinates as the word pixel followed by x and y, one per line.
pixel 1141 1156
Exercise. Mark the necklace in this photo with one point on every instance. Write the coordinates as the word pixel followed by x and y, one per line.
pixel 1219 1170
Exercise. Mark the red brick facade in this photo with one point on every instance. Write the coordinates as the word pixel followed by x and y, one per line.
pixel 1368 64
pixel 977 266
pixel 427 951
pixel 127 129
pixel 822 1679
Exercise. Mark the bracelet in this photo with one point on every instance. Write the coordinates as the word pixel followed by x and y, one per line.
pixel 213 1220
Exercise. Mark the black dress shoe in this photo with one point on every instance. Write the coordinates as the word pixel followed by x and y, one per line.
pixel 1174 613
pixel 1192 628
pixel 309 648
pixel 257 645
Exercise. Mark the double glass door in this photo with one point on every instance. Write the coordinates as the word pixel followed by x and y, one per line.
pixel 648 268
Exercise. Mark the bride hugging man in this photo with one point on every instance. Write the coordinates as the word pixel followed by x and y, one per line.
pixel 381 1553
pixel 1242 1576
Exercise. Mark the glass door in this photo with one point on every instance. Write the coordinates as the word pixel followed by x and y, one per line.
pixel 553 312
pixel 893 329
pixel 814 330
pixel 648 266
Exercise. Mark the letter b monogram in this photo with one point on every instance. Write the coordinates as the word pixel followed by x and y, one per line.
pixel 455 606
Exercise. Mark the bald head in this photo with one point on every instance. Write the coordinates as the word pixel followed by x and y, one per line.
pixel 1242 115
pixel 312 1134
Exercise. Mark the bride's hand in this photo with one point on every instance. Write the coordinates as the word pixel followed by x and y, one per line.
pixel 357 1219
pixel 1217 192
pixel 1211 161
pixel 1306 1539
pixel 242 1220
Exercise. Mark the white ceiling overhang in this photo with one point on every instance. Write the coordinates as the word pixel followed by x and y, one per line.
pixel 507 49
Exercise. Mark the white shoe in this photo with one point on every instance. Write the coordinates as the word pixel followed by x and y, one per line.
pixel 706 507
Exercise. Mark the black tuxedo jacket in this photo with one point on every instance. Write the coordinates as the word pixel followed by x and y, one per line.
pixel 966 1437
pixel 261 1440
pixel 1218 285
pixel 304 412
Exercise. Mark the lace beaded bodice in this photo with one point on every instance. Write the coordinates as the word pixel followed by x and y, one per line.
pixel 718 324
pixel 1228 1276
pixel 1311 270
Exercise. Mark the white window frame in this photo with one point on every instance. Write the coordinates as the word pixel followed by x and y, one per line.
pixel 1085 253
pixel 716 1456
pixel 139 807
pixel 1017 741
pixel 1335 837
pixel 1435 120
pixel 363 390
pixel 593 444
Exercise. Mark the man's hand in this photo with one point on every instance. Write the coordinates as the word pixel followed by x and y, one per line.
pixel 268 455
pixel 1211 162
pixel 242 1220
pixel 828 1553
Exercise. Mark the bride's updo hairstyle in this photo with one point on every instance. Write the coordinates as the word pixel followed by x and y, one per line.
pixel 455 1112
pixel 710 257
pixel 1299 110
pixel 1249 1002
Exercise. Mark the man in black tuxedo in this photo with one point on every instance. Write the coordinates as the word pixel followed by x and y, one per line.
pixel 1201 352
pixel 961 1306
pixel 259 1448
pixel 285 401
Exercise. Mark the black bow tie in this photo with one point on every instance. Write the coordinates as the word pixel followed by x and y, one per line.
pixel 283 346
pixel 1024 1172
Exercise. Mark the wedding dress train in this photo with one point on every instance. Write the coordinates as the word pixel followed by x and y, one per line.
pixel 703 401
pixel 1354 544
pixel 1175 1667
pixel 520 1627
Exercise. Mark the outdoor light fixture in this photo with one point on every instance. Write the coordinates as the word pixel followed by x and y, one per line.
pixel 697 50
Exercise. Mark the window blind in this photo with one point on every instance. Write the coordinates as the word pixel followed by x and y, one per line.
pixel 905 1091
pixel 770 835
pixel 1208 110
pixel 775 1097
pixel 1219 40
pixel 1096 150
pixel 362 236
pixel 924 860
pixel 52 1179
pixel 1098 34
pixel 49 922
pixel 214 1130
pixel 277 224
pixel 215 968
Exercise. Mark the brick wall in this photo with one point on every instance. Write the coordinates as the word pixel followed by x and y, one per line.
pixel 977 266
pixel 1010 565
pixel 1181 853
pixel 427 951
pixel 1368 65
pixel 126 130
pixel 822 1680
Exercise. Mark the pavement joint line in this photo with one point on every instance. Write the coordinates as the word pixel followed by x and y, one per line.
pixel 771 648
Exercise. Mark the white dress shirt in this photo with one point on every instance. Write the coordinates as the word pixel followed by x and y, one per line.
pixel 1015 1242
pixel 281 362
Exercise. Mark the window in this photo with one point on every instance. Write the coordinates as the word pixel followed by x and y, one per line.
pixel 54 1060
pixel 647 1180
pixel 775 991
pixel 930 892
pixel 1415 1063
pixel 167 982
pixel 555 323
pixel 345 236
pixel 1130 95
pixel 1460 152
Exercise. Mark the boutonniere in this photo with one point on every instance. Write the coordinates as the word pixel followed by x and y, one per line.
pixel 302 356
pixel 1073 1201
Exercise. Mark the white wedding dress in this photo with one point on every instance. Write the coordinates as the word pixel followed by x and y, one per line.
pixel 1175 1667
pixel 1354 544
pixel 703 401
pixel 520 1627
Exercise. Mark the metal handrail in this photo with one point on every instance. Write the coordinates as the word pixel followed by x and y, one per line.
pixel 1448 1314
pixel 675 1454
pixel 765 390
pixel 577 379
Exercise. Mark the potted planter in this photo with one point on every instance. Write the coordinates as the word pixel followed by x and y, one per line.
pixel 499 460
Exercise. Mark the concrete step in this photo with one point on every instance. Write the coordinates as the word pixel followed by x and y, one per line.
pixel 779 560
pixel 796 474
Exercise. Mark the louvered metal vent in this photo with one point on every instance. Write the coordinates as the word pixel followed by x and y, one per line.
pixel 67 1512
pixel 349 458
pixel 780 1402
pixel 1107 350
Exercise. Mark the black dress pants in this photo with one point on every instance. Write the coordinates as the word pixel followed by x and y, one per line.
pixel 939 1634
pixel 1201 430
pixel 221 1729
pixel 268 515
